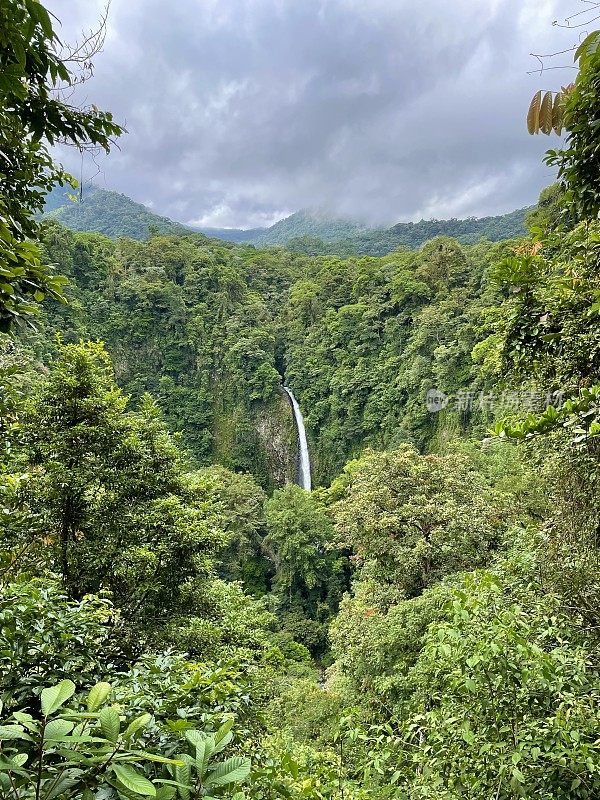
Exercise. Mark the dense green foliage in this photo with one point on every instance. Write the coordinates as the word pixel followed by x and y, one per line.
pixel 305 232
pixel 367 338
pixel 310 577
pixel 211 330
pixel 115 505
pixel 178 620
pixel 33 116
pixel 412 235
pixel 551 332
pixel 187 321
pixel 579 161
pixel 99 210
pixel 361 341
pixel 316 234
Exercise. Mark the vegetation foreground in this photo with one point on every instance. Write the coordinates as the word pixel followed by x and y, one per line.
pixel 178 619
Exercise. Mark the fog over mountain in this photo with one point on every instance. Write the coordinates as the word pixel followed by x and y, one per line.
pixel 310 232
pixel 239 112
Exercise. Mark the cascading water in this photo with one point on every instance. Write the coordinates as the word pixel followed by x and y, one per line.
pixel 304 478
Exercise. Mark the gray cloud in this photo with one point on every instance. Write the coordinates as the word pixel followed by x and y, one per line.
pixel 240 111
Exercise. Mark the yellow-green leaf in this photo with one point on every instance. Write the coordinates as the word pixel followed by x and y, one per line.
pixel 110 723
pixel 546 114
pixel 53 697
pixel 137 724
pixel 533 117
pixel 98 695
pixel 133 780
pixel 558 113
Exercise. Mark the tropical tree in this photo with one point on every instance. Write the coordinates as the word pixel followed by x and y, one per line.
pixel 33 115
pixel 506 700
pixel 110 486
pixel 309 577
pixel 415 518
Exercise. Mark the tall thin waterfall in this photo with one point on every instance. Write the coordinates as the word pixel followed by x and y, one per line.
pixel 304 478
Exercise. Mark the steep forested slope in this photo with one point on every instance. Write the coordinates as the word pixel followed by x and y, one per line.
pixel 212 330
pixel 367 338
pixel 308 223
pixel 308 232
pixel 192 322
pixel 100 210
pixel 413 234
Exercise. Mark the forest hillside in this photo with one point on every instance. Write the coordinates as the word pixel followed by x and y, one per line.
pixel 91 208
pixel 179 618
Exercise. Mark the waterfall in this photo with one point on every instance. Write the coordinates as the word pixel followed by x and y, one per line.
pixel 304 466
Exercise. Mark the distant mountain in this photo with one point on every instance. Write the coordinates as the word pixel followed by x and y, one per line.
pixel 302 223
pixel 318 234
pixel 307 223
pixel 107 212
pixel 467 231
pixel 237 235
pixel 379 242
pixel 313 233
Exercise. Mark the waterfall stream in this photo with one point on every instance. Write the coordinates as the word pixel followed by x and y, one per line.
pixel 304 478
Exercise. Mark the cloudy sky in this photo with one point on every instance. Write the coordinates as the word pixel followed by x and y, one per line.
pixel 240 112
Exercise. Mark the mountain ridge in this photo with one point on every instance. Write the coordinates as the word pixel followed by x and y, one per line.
pixel 313 233
pixel 105 211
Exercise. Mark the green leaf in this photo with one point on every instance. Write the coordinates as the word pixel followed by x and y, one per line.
pixel 97 696
pixel 133 780
pixel 233 769
pixel 225 741
pixel 57 729
pixel 166 793
pixel 518 775
pixel 201 757
pixel 110 723
pixel 26 720
pixel 193 736
pixel 67 779
pixel 53 697
pixel 182 776
pixel 137 724
pixel 223 730
pixel 8 765
pixel 587 45
pixel 13 732
pixel 153 757
pixel 39 13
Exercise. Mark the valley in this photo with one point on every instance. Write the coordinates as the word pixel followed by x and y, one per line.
pixel 309 511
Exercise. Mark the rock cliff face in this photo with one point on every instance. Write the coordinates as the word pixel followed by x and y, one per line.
pixel 278 440
pixel 261 440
